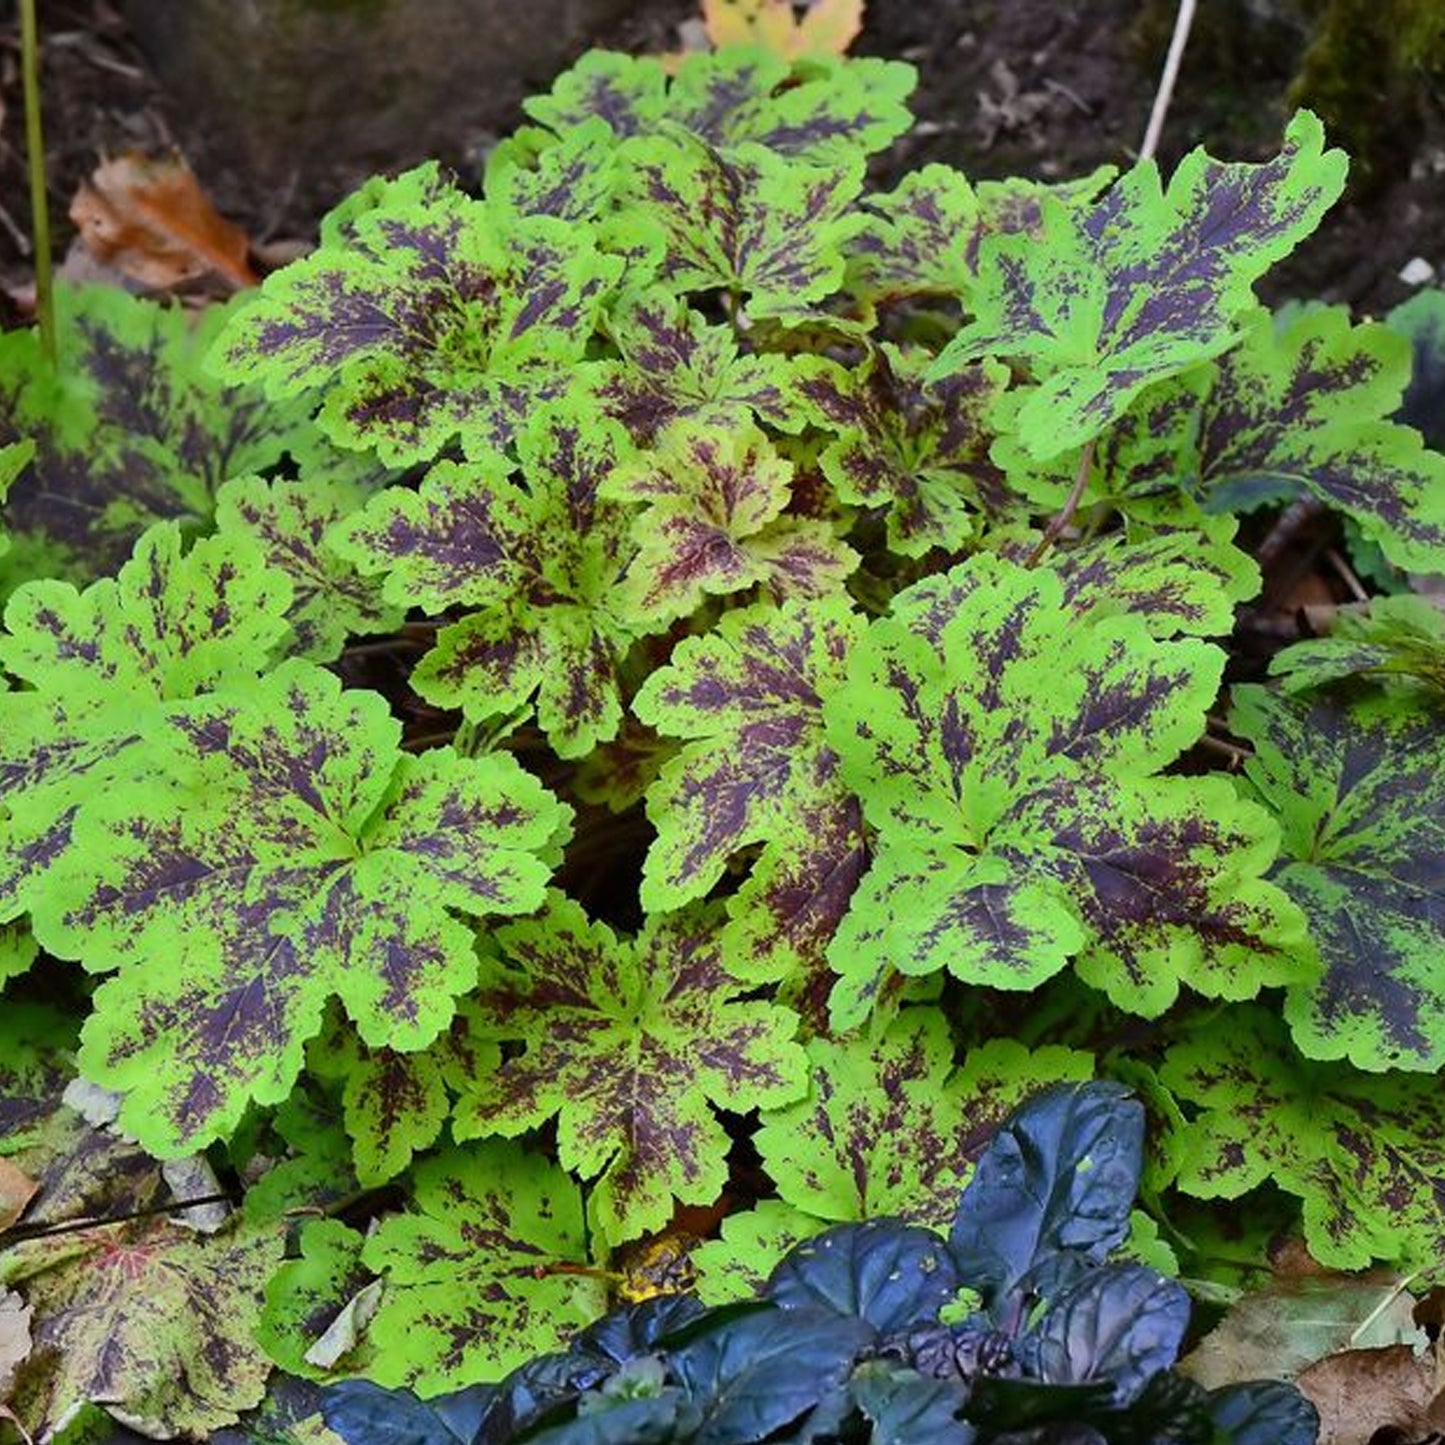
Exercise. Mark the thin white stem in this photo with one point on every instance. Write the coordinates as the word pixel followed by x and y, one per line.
pixel 1182 21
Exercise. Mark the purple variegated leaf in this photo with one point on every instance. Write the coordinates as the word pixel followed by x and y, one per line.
pixel 631 1046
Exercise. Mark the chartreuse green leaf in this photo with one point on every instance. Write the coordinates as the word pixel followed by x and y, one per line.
pixel 99 665
pixel 818 110
pixel 748 696
pixel 477 1277
pixel 1363 1152
pixel 1357 788
pixel 315 1171
pixel 1393 641
pixel 330 601
pixel 126 430
pixel 917 449
pixel 572 177
pixel 427 316
pixel 307 1300
pixel 631 1046
pixel 296 855
pixel 1301 407
pixel 675 367
pixel 1003 737
pixel 714 523
pixel 394 1104
pixel 892 1127
pixel 744 220
pixel 1145 284
pixel 540 563
pixel 151 1320
pixel 735 1265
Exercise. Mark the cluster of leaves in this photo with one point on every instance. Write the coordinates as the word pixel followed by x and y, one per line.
pixel 864 1332
pixel 580 685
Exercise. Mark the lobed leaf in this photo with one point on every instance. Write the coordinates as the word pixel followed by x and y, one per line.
pixel 632 1046
pixel 1144 285
pixel 1362 853
pixel 296 856
pixel 471 1291
pixel 1362 1151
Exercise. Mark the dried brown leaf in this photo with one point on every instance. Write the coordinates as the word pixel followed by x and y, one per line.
pixel 17 1189
pixel 1360 1392
pixel 15 1339
pixel 150 220
pixel 828 27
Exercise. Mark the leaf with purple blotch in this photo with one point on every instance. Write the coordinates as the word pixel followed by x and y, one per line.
pixel 1357 787
pixel 626 91
pixel 821 109
pixel 102 666
pixel 330 600
pixel 1002 741
pixel 1395 643
pixel 124 430
pixel 675 367
pixel 632 1046
pixel 1305 409
pixel 571 177
pixel 1363 1152
pixel 425 322
pixel 482 1271
pixel 748 697
pixel 891 1127
pixel 540 565
pixel 1144 285
pixel 393 1104
pixel 918 449
pixel 293 854
pixel 767 230
pixel 714 523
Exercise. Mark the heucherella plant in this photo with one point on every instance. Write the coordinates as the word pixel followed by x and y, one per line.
pixel 603 728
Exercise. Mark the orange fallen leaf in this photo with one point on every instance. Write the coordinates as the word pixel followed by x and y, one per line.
pixel 827 27
pixel 150 220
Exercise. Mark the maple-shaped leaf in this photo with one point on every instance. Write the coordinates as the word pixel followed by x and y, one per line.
pixel 1142 286
pixel 307 1299
pixel 425 319
pixel 750 1244
pixel 1002 740
pixel 819 110
pixel 714 524
pixel 916 449
pixel 1362 1151
pixel 748 696
pixel 477 1278
pixel 891 1127
pixel 296 855
pixel 148 1319
pixel 330 601
pixel 541 563
pixel 632 1046
pixel 1355 788
pixel 394 1104
pixel 674 366
pixel 572 177
pixel 1303 410
pixel 126 430
pixel 151 221
pixel 762 228
pixel 313 1169
pixel 1395 642
pixel 101 665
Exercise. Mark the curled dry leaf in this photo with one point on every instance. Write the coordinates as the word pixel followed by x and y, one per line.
pixel 17 1189
pixel 150 220
pixel 1360 1393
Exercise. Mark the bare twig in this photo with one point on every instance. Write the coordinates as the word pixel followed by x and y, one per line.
pixel 35 157
pixel 1182 21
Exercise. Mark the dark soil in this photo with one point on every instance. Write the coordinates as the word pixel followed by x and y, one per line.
pixel 1038 87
